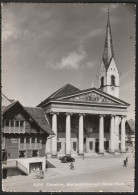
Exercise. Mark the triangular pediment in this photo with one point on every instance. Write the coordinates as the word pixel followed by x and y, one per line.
pixel 93 96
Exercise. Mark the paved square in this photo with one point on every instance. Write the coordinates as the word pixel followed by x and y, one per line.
pixel 92 174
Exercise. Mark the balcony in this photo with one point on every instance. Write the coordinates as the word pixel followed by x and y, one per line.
pixel 13 130
pixel 31 146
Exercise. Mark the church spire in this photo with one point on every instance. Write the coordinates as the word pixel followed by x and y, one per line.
pixel 108 48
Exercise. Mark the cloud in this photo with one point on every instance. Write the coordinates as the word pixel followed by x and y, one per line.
pixel 92 33
pixel 91 64
pixel 70 61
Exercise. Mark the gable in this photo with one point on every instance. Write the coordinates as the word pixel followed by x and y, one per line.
pixel 35 117
pixel 93 96
pixel 112 69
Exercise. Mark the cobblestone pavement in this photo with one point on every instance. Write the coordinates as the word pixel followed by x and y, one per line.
pixel 90 175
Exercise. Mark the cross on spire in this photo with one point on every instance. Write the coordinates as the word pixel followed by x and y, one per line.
pixel 108 48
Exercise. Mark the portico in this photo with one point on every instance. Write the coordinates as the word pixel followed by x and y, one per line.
pixel 86 126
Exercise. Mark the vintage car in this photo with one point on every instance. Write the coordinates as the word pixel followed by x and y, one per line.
pixel 65 159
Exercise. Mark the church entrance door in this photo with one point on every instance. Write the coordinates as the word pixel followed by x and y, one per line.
pixel 106 146
pixel 84 144
pixel 97 146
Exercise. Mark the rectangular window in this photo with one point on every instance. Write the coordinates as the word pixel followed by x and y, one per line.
pixel 16 123
pixel 74 146
pixel 34 153
pixel 21 123
pixel 58 146
pixel 27 140
pixel 22 140
pixel 7 123
pixel 12 123
pixel 21 154
pixel 91 145
pixel 33 140
pixel 38 140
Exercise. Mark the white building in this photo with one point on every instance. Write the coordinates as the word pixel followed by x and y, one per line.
pixel 87 121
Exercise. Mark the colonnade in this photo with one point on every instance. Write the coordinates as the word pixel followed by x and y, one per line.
pixel 114 133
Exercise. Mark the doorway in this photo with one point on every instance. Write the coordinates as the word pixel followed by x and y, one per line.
pixel 106 146
pixel 35 166
pixel 4 175
pixel 97 146
pixel 84 144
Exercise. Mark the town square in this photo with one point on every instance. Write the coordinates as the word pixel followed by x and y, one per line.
pixel 68 97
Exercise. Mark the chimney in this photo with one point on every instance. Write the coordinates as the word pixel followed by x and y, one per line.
pixel 92 85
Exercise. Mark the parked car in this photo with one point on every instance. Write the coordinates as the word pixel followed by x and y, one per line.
pixel 65 159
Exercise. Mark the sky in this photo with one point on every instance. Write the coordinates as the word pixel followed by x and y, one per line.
pixel 45 46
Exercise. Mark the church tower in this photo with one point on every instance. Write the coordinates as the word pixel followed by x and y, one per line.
pixel 108 74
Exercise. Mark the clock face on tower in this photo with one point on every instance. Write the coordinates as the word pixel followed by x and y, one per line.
pixel 113 88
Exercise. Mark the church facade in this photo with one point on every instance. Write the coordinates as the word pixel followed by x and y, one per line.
pixel 91 120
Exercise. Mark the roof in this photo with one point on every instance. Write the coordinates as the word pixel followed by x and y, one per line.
pixel 9 106
pixel 37 115
pixel 65 90
pixel 131 124
pixel 108 47
pixel 98 90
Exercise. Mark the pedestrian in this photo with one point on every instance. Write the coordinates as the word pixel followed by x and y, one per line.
pixel 71 165
pixel 125 163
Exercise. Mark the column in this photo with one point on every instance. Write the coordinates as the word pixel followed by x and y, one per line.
pixel 116 133
pixel 48 145
pixel 81 130
pixel 112 140
pixel 101 134
pixel 54 139
pixel 123 120
pixel 68 133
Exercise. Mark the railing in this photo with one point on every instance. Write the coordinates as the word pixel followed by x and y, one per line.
pixel 32 146
pixel 22 167
pixel 13 130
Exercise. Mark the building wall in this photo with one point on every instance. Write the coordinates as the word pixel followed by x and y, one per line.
pixel 11 146
pixel 14 171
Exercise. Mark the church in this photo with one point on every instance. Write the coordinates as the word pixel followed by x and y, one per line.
pixel 91 120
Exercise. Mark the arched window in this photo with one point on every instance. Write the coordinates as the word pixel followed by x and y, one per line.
pixel 102 81
pixel 113 80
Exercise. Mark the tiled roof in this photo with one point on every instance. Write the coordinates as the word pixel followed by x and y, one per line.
pixel 37 114
pixel 65 90
pixel 9 106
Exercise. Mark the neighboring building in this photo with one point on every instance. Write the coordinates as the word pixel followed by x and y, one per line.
pixel 87 121
pixel 6 101
pixel 130 132
pixel 24 135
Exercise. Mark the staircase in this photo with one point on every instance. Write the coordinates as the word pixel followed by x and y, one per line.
pixel 22 168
